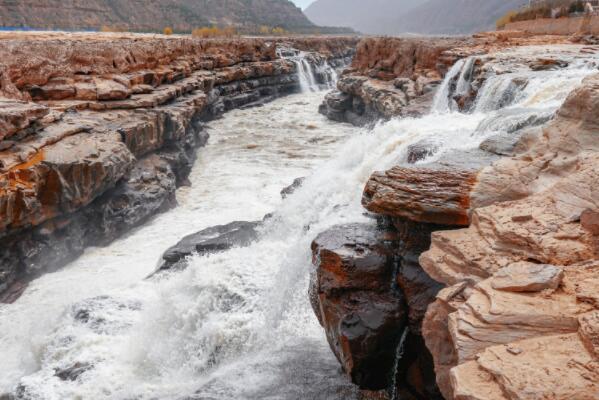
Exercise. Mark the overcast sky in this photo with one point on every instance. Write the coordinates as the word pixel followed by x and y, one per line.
pixel 303 3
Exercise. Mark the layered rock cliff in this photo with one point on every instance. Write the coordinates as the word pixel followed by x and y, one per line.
pixel 398 77
pixel 519 316
pixel 492 251
pixel 98 132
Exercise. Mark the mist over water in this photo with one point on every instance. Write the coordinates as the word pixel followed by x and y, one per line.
pixel 238 324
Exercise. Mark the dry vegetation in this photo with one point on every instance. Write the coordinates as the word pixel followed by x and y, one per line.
pixel 551 9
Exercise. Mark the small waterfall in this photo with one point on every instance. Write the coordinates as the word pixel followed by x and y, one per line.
pixel 464 82
pixel 399 352
pixel 443 103
pixel 306 74
pixel 314 72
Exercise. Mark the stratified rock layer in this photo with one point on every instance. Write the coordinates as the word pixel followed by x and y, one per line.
pixel 97 131
pixel 398 77
pixel 519 317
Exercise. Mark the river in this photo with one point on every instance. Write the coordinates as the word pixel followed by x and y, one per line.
pixel 238 324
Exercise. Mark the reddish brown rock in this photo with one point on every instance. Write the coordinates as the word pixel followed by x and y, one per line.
pixel 17 115
pixel 421 194
pixel 352 293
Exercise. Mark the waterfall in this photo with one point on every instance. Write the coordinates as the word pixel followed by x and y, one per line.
pixel 399 352
pixel 463 86
pixel 314 73
pixel 305 73
pixel 237 324
pixel 442 102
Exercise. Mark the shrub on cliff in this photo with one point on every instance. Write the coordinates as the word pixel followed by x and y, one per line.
pixel 168 30
pixel 506 19
pixel 214 32
pixel 106 28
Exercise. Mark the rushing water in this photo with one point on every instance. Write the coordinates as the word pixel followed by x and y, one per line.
pixel 237 325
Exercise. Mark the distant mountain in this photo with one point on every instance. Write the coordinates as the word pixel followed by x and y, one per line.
pixel 367 16
pixel 454 16
pixel 411 16
pixel 151 15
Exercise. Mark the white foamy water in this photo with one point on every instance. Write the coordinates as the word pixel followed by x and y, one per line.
pixel 234 325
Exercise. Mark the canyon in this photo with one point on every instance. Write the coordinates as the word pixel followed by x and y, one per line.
pixel 436 235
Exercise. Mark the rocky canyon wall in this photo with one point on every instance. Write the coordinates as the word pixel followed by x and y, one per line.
pixel 477 277
pixel 97 132
pixel 398 77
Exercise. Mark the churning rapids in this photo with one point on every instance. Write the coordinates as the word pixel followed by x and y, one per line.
pixel 238 325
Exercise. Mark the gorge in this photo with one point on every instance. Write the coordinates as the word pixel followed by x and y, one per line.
pixel 440 225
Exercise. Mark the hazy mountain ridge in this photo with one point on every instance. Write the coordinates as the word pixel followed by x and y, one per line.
pixel 411 16
pixel 364 16
pixel 150 15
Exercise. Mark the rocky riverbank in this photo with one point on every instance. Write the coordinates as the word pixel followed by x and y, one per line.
pixel 479 278
pixel 97 131
pixel 398 77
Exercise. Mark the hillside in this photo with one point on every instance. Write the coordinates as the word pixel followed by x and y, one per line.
pixel 411 16
pixel 453 16
pixel 151 15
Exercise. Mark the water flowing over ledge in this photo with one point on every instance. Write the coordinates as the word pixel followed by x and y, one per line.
pixel 238 324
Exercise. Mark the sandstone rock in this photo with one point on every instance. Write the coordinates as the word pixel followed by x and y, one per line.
pixel 149 188
pixel 589 332
pixel 17 115
pixel 421 194
pixel 527 277
pixel 111 90
pixel 567 372
pixel 544 64
pixel 62 178
pixel 589 220
pixel 518 332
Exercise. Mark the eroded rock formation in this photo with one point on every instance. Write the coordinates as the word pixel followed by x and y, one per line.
pixel 398 77
pixel 497 246
pixel 97 132
pixel 520 310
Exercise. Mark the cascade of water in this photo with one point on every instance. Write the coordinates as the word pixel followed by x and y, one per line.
pixel 328 73
pixel 463 85
pixel 399 351
pixel 236 324
pixel 305 73
pixel 442 101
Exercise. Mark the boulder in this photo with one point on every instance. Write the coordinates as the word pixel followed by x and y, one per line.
pixel 353 294
pixel 211 240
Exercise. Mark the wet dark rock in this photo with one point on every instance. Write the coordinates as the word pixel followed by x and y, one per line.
pixel 354 297
pixel 421 150
pixel 147 190
pixel 211 240
pixel 73 372
pixel 289 190
pixel 101 314
pixel 418 288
